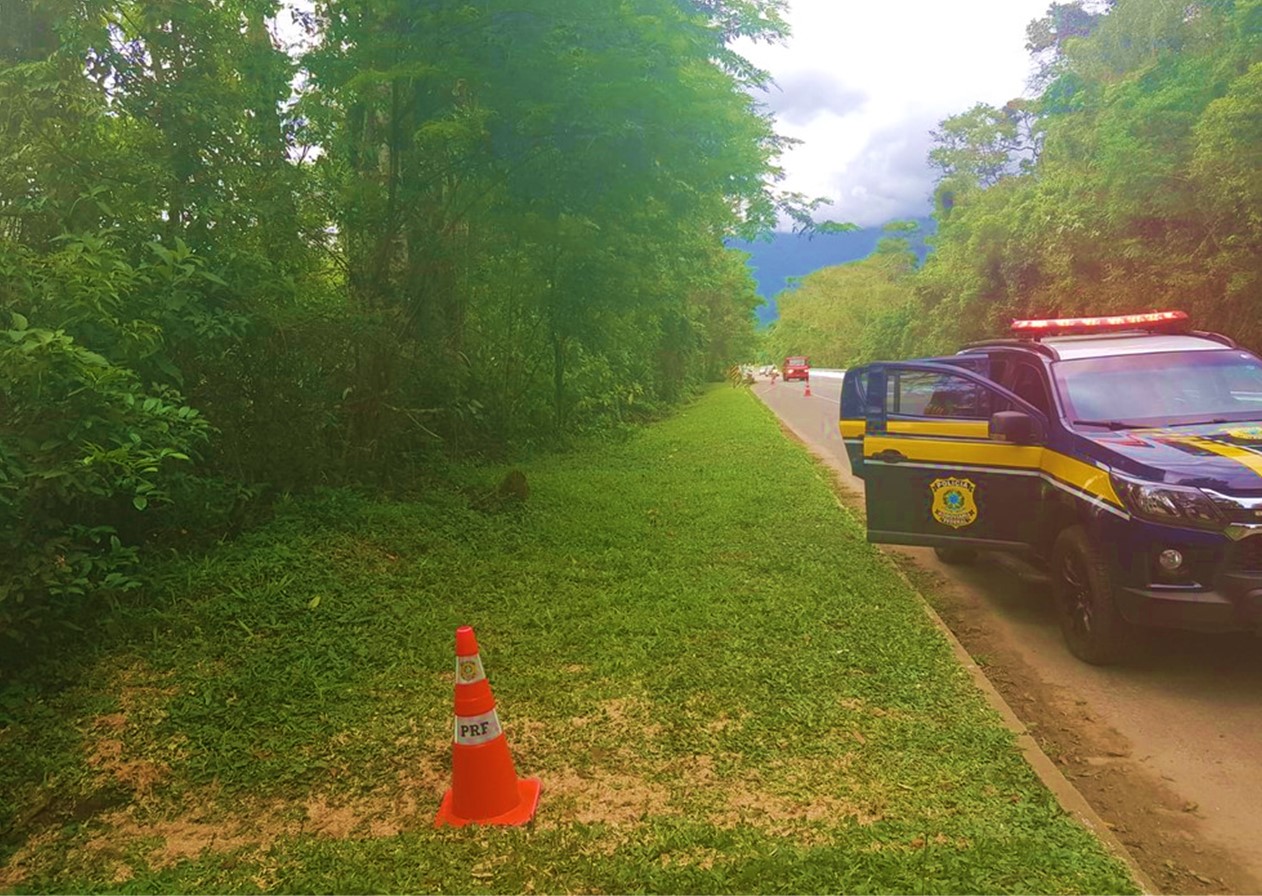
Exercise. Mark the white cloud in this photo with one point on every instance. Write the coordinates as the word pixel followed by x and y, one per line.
pixel 799 97
pixel 862 83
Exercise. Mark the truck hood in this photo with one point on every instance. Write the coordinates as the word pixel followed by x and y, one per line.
pixel 1225 457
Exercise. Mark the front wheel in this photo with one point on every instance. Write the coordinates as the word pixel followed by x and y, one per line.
pixel 1094 630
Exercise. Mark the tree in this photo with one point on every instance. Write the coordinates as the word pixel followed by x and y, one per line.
pixel 587 134
pixel 1139 195
pixel 1048 38
pixel 984 144
pixel 852 313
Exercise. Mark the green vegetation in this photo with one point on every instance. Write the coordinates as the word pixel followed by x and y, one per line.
pixel 859 310
pixel 1130 183
pixel 446 229
pixel 722 687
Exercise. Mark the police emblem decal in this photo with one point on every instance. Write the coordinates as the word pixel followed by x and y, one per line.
pixel 953 503
pixel 469 669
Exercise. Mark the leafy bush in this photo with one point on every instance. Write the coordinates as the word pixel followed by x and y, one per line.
pixel 83 447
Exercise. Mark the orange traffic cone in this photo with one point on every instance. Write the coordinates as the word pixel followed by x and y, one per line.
pixel 807 393
pixel 485 788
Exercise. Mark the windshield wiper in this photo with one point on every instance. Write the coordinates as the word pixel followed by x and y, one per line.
pixel 1201 422
pixel 1107 424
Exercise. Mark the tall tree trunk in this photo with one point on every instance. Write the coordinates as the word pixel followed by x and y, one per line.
pixel 559 345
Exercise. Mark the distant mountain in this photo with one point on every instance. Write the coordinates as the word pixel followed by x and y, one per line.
pixel 786 255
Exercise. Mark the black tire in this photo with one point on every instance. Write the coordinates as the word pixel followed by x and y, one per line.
pixel 1094 630
pixel 956 556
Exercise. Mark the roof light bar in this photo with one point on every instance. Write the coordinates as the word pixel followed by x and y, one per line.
pixel 1154 320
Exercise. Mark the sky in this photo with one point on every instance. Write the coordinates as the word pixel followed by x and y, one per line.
pixel 862 83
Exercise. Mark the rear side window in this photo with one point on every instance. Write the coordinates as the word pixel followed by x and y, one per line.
pixel 854 388
pixel 915 393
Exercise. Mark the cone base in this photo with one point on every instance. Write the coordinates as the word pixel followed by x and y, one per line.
pixel 528 800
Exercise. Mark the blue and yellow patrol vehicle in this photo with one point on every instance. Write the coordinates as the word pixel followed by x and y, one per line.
pixel 1123 453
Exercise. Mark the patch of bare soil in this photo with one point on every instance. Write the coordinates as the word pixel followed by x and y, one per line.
pixel 614 786
pixel 599 796
pixel 139 775
pixel 128 817
pixel 209 822
pixel 22 863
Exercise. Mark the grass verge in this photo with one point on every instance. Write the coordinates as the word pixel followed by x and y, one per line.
pixel 722 687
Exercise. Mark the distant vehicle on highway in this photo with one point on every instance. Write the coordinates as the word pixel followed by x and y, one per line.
pixel 797 367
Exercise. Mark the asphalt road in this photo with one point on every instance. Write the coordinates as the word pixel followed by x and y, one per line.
pixel 1170 745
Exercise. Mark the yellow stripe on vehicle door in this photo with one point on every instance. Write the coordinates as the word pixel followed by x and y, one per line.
pixel 960 429
pixel 1089 478
pixel 952 451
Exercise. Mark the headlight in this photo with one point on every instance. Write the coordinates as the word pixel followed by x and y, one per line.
pixel 1175 505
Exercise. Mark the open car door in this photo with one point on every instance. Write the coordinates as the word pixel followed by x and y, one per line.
pixel 934 473
pixel 853 402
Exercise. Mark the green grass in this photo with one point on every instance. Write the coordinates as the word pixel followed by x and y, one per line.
pixel 722 687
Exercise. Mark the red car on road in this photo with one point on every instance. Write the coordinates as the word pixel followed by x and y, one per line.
pixel 797 368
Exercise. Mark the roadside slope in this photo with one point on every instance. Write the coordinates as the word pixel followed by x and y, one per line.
pixel 722 687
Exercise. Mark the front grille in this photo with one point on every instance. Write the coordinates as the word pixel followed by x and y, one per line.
pixel 1247 554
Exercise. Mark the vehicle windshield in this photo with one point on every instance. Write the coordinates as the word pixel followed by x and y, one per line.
pixel 796 362
pixel 1161 389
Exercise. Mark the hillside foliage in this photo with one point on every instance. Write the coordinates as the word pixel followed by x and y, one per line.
pixel 443 229
pixel 1132 182
pixel 849 310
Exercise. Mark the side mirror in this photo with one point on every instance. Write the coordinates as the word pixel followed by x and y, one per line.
pixel 1016 427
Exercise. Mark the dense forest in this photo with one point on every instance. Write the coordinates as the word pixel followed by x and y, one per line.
pixel 1132 181
pixel 441 229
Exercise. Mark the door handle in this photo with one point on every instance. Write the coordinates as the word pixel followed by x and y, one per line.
pixel 890 456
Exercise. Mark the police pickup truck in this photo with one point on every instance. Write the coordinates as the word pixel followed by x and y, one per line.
pixel 1123 453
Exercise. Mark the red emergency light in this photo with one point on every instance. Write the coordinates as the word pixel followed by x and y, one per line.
pixel 1059 326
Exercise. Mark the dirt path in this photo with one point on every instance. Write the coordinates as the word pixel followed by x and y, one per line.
pixel 1165 749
